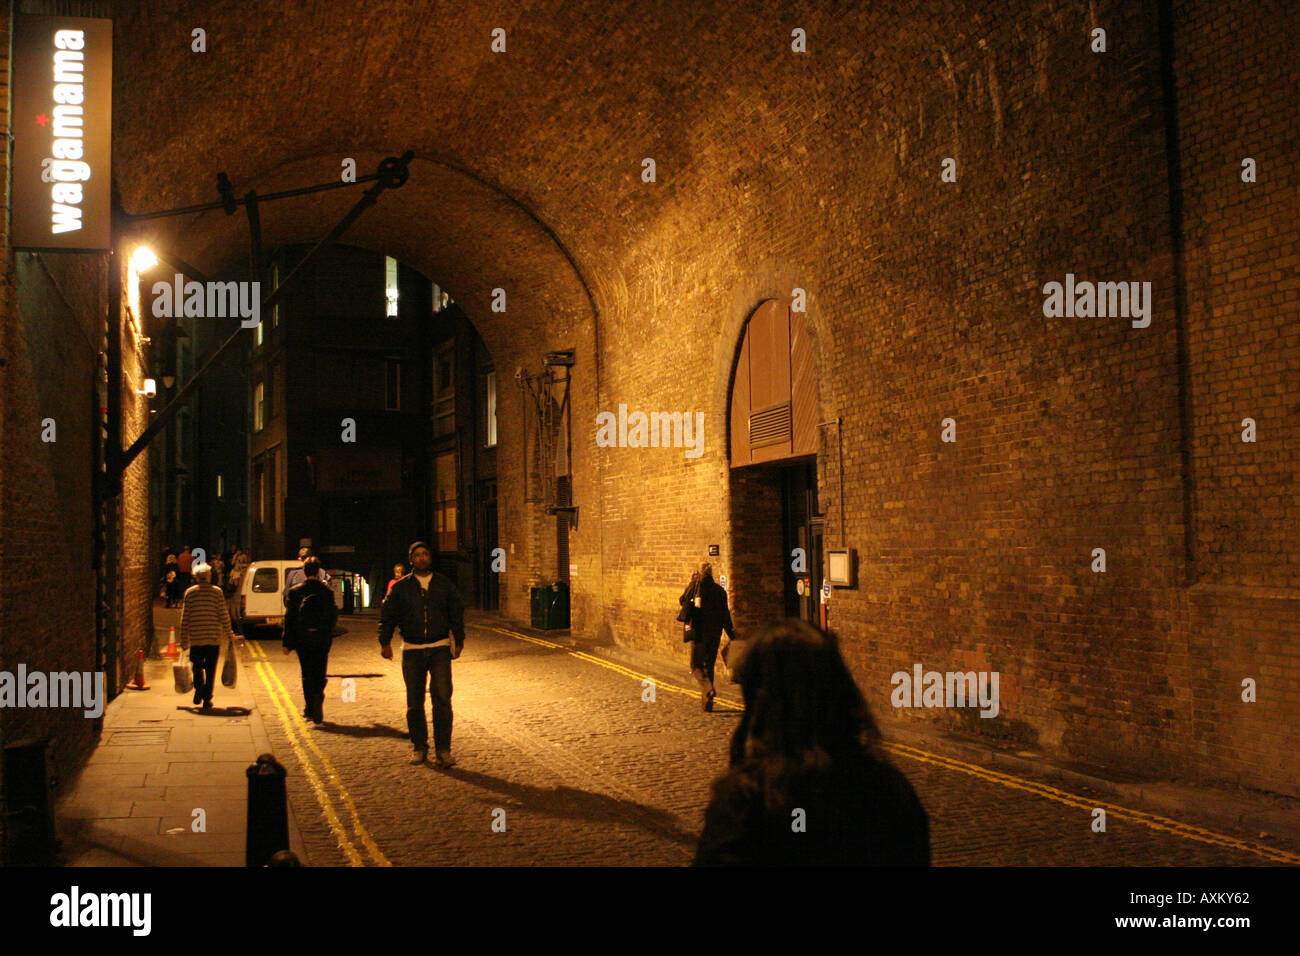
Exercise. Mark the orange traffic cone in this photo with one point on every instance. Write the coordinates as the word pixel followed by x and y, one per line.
pixel 172 652
pixel 137 683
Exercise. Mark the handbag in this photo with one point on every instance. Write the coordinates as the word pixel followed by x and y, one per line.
pixel 183 674
pixel 229 672
pixel 688 633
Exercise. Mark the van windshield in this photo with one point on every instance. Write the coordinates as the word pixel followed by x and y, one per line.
pixel 266 581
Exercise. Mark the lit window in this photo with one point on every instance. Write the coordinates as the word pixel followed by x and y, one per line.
pixel 259 405
pixel 491 409
pixel 221 486
pixel 257 334
pixel 390 286
pixel 275 308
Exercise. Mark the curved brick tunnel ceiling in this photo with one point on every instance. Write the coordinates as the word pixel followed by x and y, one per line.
pixel 457 231
pixel 777 171
pixel 561 123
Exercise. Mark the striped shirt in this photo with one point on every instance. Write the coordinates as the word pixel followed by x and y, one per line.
pixel 205 618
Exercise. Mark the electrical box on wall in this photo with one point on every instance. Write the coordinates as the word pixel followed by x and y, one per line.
pixel 842 567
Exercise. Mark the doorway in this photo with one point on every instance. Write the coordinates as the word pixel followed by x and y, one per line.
pixel 802 524
pixel 774 511
pixel 489 580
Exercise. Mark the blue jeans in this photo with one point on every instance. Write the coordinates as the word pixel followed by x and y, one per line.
pixel 431 665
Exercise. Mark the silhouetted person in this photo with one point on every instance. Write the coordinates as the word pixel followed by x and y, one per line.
pixel 295 576
pixel 806 785
pixel 710 617
pixel 309 619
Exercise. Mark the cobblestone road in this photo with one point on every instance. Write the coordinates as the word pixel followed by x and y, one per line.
pixel 589 773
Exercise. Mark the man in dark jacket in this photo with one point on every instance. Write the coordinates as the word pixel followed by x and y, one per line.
pixel 309 629
pixel 425 607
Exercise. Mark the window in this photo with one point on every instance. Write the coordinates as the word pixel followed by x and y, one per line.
pixel 393 385
pixel 266 580
pixel 491 383
pixel 221 485
pixel 257 334
pixel 444 501
pixel 259 406
pixel 275 308
pixel 390 286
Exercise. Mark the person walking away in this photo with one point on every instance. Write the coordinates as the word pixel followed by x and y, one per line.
pixel 710 619
pixel 184 569
pixel 295 576
pixel 219 572
pixel 807 783
pixel 309 629
pixel 425 606
pixel 399 572
pixel 205 626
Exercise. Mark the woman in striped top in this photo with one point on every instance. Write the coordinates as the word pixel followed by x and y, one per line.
pixel 205 626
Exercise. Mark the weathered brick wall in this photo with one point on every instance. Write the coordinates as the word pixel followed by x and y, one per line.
pixel 47 586
pixel 1238 83
pixel 137 561
pixel 821 171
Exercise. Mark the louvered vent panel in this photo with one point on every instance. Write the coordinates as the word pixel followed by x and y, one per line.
pixel 770 426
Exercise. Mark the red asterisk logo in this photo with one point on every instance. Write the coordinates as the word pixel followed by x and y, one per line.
pixel 42 119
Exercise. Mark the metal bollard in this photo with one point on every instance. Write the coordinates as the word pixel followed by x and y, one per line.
pixel 268 812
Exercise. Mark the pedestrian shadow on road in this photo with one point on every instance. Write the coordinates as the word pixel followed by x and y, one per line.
pixel 356 675
pixel 571 803
pixel 216 711
pixel 356 730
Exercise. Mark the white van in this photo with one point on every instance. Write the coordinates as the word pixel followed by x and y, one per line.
pixel 261 595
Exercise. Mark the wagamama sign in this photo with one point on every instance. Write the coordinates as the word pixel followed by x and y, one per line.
pixel 62 123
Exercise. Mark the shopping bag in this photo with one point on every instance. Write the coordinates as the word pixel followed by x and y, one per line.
pixel 183 674
pixel 229 672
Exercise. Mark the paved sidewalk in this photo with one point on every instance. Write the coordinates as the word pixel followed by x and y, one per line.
pixel 159 760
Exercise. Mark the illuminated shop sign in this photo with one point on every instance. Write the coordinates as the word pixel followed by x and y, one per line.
pixel 62 123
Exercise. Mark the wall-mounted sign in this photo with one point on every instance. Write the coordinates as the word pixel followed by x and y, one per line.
pixel 62 127
pixel 842 567
pixel 713 550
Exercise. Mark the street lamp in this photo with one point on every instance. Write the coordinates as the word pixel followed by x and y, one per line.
pixel 143 259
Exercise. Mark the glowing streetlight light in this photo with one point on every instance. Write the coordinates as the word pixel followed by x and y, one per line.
pixel 143 259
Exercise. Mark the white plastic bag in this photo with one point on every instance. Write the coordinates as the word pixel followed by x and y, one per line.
pixel 183 673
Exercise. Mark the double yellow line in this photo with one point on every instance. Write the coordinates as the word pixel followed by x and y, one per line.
pixel 618 669
pixel 1154 821
pixel 295 728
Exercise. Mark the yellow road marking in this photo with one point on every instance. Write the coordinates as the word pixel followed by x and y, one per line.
pixel 318 789
pixel 617 668
pixel 290 717
pixel 1151 820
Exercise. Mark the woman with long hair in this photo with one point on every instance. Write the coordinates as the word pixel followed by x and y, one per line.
pixel 706 601
pixel 807 784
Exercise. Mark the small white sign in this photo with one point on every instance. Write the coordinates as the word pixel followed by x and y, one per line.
pixel 722 581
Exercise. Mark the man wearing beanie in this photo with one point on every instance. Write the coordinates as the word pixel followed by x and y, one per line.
pixel 425 607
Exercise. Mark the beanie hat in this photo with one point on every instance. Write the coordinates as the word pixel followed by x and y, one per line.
pixel 410 552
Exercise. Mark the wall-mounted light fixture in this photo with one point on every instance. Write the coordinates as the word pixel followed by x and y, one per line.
pixel 150 388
